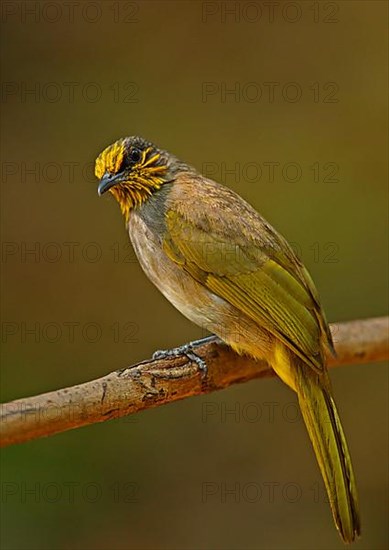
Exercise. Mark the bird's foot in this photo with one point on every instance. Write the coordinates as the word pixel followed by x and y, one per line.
pixel 188 351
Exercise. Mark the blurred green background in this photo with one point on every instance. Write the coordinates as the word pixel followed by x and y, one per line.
pixel 165 479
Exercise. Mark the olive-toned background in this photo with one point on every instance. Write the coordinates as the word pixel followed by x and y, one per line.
pixel 165 479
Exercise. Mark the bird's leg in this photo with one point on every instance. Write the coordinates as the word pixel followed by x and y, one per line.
pixel 188 350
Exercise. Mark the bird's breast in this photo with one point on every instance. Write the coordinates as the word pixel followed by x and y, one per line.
pixel 191 298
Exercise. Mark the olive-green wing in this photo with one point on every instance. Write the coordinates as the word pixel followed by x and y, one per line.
pixel 259 280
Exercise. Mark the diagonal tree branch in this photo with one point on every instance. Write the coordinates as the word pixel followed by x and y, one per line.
pixel 155 382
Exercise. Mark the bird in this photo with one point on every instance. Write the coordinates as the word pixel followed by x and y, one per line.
pixel 224 267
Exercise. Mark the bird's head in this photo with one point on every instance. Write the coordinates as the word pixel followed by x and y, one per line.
pixel 132 169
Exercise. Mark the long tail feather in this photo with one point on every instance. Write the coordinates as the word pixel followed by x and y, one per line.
pixel 325 430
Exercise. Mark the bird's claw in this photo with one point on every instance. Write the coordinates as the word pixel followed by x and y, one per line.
pixel 186 349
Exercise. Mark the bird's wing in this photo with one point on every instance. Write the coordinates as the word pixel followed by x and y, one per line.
pixel 256 271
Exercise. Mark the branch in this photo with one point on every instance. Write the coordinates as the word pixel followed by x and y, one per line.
pixel 155 382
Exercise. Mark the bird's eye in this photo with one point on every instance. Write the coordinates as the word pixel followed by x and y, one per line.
pixel 130 158
pixel 135 155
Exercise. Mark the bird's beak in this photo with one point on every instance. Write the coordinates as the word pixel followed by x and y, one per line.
pixel 108 181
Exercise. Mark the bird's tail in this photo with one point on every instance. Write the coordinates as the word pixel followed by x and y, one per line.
pixel 326 433
pixel 325 430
